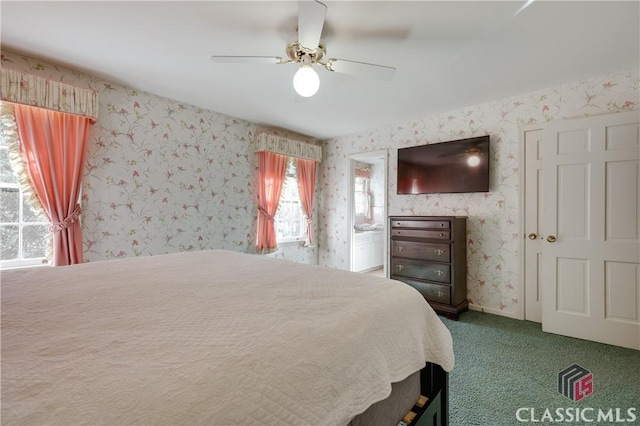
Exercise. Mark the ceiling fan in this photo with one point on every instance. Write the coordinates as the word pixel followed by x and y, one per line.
pixel 308 51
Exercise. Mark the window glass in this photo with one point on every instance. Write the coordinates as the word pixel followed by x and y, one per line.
pixel 6 174
pixel 24 230
pixel 9 242
pixel 361 193
pixel 10 202
pixel 35 241
pixel 290 218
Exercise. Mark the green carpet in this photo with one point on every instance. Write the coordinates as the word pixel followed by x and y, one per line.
pixel 504 364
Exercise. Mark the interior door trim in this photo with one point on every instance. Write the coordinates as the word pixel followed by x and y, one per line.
pixel 363 157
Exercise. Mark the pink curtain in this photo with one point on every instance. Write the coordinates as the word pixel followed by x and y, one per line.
pixel 271 176
pixel 53 146
pixel 307 185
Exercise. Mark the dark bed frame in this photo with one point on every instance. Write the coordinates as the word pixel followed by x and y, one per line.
pixel 434 384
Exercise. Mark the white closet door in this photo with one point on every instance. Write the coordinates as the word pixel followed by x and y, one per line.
pixel 591 229
pixel 534 242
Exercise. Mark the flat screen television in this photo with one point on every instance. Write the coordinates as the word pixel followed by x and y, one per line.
pixel 446 167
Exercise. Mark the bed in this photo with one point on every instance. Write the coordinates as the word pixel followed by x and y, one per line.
pixel 214 337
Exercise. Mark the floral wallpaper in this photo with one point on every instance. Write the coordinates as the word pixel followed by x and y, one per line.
pixel 162 176
pixel 493 233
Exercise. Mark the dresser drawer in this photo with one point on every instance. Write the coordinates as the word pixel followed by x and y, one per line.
pixel 419 233
pixel 422 270
pixel 434 292
pixel 423 224
pixel 426 251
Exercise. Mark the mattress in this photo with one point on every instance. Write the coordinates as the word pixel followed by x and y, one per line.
pixel 391 410
pixel 211 337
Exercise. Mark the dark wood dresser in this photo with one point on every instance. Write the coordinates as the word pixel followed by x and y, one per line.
pixel 430 254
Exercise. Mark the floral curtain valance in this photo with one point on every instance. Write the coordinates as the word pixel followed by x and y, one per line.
pixel 27 89
pixel 288 147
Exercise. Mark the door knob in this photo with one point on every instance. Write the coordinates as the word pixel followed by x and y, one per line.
pixel 551 239
pixel 533 236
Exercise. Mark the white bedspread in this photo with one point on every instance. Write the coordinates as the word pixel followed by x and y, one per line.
pixel 212 337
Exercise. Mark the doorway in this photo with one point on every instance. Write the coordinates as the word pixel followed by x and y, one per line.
pixel 367 227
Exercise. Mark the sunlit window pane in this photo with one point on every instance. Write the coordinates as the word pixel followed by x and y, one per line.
pixel 9 205
pixel 34 241
pixel 9 238
pixel 296 228
pixel 290 215
pixel 24 234
pixel 31 214
pixel 361 193
pixel 6 174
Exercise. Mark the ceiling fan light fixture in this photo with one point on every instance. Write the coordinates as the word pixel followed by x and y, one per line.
pixel 473 157
pixel 308 50
pixel 306 81
pixel 473 160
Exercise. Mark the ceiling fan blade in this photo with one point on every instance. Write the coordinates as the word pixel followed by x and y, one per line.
pixel 311 16
pixel 247 59
pixel 361 69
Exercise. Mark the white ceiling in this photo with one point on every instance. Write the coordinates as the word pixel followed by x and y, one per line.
pixel 447 54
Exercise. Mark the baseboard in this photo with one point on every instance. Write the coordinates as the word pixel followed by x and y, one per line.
pixel 493 311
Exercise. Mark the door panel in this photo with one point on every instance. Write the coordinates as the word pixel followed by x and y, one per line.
pixel 622 200
pixel 622 283
pixel 573 202
pixel 591 195
pixel 572 286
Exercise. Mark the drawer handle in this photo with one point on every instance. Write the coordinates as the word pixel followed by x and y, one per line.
pixel 439 252
pixel 440 294
pixel 399 224
pixel 442 234
pixel 399 267
pixel 438 272
pixel 399 248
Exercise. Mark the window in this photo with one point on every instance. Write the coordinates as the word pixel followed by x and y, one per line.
pixel 290 219
pixel 362 197
pixel 24 231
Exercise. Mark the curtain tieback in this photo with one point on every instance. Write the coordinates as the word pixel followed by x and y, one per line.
pixel 309 220
pixel 267 215
pixel 75 214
